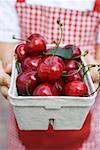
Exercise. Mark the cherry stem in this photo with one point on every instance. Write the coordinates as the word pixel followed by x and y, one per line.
pixel 89 67
pixel 61 32
pixel 19 39
pixel 58 43
pixel 95 90
pixel 27 88
pixel 80 67
pixel 54 42
pixel 18 67
pixel 84 53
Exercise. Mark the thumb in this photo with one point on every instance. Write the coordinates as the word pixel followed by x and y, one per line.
pixel 4 78
pixel 7 62
pixel 1 67
pixel 8 67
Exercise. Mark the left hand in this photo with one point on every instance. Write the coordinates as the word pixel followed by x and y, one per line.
pixel 93 71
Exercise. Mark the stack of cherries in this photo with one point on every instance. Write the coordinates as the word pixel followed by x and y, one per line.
pixel 45 72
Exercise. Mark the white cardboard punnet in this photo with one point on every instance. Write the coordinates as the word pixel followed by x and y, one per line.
pixel 63 112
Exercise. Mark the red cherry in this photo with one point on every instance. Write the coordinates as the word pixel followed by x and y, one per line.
pixel 51 69
pixel 26 80
pixel 36 44
pixel 70 64
pixel 53 59
pixel 76 50
pixel 73 75
pixel 21 52
pixel 59 86
pixel 45 89
pixel 31 63
pixel 76 88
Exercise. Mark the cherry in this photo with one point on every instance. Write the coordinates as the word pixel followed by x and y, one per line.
pixel 70 64
pixel 21 52
pixel 51 68
pixel 31 63
pixel 45 89
pixel 26 82
pixel 59 86
pixel 73 75
pixel 35 44
pixel 76 88
pixel 51 59
pixel 76 50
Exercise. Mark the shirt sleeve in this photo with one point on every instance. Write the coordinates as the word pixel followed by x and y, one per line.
pixel 9 24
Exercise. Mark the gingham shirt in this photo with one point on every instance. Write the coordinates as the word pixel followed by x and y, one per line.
pixel 9 24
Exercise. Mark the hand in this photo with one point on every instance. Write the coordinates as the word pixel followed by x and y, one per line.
pixel 93 71
pixel 6 54
pixel 4 78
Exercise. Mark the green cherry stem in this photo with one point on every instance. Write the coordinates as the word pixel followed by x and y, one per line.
pixel 86 72
pixel 19 39
pixel 89 67
pixel 61 32
pixel 58 43
pixel 97 87
pixel 18 67
pixel 27 88
pixel 84 53
pixel 95 90
pixel 64 74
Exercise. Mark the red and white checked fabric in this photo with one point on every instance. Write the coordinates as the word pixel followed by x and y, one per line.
pixel 78 27
pixel 93 141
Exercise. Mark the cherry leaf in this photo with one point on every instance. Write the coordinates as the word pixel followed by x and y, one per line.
pixel 64 53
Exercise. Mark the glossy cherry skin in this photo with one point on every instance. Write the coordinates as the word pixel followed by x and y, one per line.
pixel 31 63
pixel 59 86
pixel 70 64
pixel 76 88
pixel 20 51
pixel 50 70
pixel 73 75
pixel 26 80
pixel 45 89
pixel 76 50
pixel 36 44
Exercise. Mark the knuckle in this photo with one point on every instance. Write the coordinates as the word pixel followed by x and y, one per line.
pixel 4 90
pixel 1 80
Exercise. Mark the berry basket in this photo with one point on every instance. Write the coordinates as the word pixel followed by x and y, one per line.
pixel 63 112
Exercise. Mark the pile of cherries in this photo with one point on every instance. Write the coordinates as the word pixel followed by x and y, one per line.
pixel 45 74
